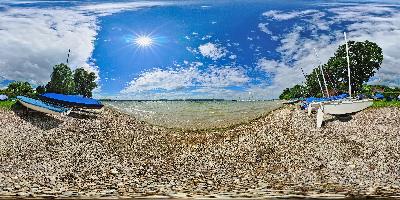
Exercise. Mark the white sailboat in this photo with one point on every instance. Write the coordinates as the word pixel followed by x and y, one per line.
pixel 345 106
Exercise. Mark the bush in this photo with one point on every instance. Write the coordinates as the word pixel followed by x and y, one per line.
pixel 84 82
pixel 8 105
pixel 61 81
pixel 19 88
pixel 64 81
pixel 40 89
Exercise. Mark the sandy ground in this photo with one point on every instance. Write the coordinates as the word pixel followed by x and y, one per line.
pixel 280 154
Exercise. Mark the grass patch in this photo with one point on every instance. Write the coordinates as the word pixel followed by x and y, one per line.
pixel 7 104
pixel 380 104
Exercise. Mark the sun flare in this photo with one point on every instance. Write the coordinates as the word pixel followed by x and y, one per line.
pixel 144 41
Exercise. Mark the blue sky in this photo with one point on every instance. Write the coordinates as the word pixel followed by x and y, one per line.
pixel 199 49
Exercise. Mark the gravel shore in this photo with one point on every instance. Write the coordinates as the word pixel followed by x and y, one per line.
pixel 282 154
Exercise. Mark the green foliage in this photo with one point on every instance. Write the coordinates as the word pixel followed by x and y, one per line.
pixel 312 86
pixel 40 89
pixel 62 80
pixel 367 90
pixel 19 88
pixel 295 92
pixel 390 93
pixel 380 104
pixel 84 82
pixel 8 105
pixel 365 59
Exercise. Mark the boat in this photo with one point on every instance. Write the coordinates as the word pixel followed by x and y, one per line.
pixel 72 101
pixel 345 106
pixel 313 103
pixel 42 106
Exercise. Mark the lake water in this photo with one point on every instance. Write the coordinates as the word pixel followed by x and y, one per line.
pixel 195 115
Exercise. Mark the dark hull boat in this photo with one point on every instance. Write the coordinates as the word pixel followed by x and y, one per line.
pixel 43 107
pixel 73 101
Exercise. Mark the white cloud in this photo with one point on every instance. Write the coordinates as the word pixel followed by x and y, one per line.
pixel 162 79
pixel 263 28
pixel 183 78
pixel 233 57
pixel 102 9
pixel 279 15
pixel 222 77
pixel 34 40
pixel 206 37
pixel 213 51
pixel 32 2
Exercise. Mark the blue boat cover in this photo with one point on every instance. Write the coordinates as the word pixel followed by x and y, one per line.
pixel 315 99
pixel 379 96
pixel 71 100
pixel 42 104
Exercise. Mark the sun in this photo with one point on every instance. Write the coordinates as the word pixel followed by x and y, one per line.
pixel 144 41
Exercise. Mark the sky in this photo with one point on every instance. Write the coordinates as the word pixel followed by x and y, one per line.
pixel 191 49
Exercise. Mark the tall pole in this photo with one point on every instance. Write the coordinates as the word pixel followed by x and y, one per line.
pixel 322 72
pixel 348 63
pixel 69 51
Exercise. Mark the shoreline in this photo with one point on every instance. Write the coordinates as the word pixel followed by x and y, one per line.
pixel 280 154
pixel 182 119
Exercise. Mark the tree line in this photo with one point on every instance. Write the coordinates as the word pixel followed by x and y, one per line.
pixel 365 59
pixel 63 81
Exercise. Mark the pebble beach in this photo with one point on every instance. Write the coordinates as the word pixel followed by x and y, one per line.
pixel 281 154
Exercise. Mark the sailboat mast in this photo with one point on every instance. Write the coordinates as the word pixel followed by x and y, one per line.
pixel 322 72
pixel 348 63
pixel 320 85
pixel 69 51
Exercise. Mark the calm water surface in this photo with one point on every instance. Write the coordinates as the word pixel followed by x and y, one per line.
pixel 195 115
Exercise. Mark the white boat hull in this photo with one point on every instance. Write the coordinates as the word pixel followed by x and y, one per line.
pixel 346 106
pixel 41 109
pixel 341 108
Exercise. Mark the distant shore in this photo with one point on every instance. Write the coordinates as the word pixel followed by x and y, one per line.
pixel 279 154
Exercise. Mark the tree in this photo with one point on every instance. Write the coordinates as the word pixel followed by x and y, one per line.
pixel 84 82
pixel 365 59
pixel 62 80
pixel 297 91
pixel 19 88
pixel 40 89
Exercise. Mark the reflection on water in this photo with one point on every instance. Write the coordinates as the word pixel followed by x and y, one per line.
pixel 195 115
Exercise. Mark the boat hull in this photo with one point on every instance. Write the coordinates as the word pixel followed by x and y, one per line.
pixel 42 109
pixel 346 106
